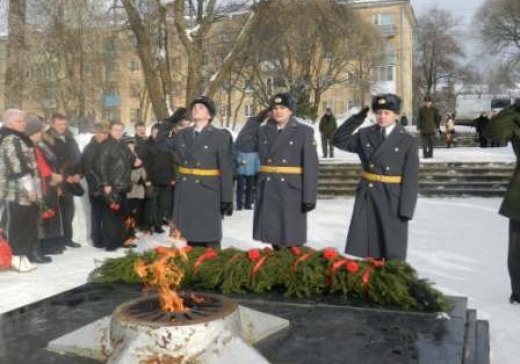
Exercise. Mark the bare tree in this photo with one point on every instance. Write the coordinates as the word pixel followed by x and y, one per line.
pixel 307 47
pixel 193 33
pixel 15 65
pixel 439 50
pixel 499 23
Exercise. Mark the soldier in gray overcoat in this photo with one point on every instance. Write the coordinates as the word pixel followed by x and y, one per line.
pixel 387 191
pixel 287 183
pixel 204 187
pixel 506 126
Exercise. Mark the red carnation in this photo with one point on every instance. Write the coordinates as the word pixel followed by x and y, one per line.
pixel 46 215
pixel 161 250
pixel 379 263
pixel 115 206
pixel 254 254
pixel 352 267
pixel 187 248
pixel 330 254
pixel 296 250
pixel 210 253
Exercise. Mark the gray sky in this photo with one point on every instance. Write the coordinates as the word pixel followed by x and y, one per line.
pixel 463 9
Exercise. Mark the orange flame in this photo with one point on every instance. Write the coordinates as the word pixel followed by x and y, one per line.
pixel 166 274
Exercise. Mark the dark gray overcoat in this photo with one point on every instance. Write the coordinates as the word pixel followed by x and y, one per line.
pixel 379 224
pixel 278 215
pixel 196 209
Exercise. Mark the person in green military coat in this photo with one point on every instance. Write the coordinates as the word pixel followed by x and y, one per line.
pixel 428 123
pixel 327 128
pixel 506 126
pixel 387 191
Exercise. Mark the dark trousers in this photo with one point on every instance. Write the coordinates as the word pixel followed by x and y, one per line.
pixel 113 226
pixel 245 191
pixel 67 214
pixel 513 256
pixel 22 228
pixel 159 205
pixel 427 145
pixel 205 244
pixel 326 145
pixel 96 214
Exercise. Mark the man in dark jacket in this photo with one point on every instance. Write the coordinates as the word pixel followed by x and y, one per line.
pixel 506 126
pixel 90 169
pixel 327 128
pixel 428 124
pixel 387 192
pixel 480 124
pixel 64 146
pixel 159 166
pixel 115 165
pixel 204 189
pixel 287 183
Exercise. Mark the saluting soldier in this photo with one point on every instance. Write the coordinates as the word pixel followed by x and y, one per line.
pixel 287 183
pixel 506 126
pixel 204 188
pixel 387 191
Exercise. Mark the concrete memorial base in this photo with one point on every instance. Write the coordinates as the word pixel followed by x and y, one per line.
pixel 324 330
pixel 223 339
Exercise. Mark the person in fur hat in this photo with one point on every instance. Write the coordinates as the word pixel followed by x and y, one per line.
pixel 387 191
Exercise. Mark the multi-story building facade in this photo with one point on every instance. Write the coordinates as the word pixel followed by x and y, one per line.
pixel 112 84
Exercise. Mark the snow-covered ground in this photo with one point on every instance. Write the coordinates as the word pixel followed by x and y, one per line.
pixel 458 243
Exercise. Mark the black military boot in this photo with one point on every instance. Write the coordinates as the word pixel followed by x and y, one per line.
pixel 37 257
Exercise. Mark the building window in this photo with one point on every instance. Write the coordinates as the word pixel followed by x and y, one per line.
pixel 87 69
pixel 384 23
pixel 247 86
pixel 111 114
pixel 383 73
pixel 133 65
pixel 135 114
pixel 135 91
pixel 249 110
pixel 388 50
pixel 176 63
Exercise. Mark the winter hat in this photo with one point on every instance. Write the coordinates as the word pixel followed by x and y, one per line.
pixel 34 125
pixel 284 99
pixel 386 102
pixel 180 114
pixel 206 101
pixel 101 127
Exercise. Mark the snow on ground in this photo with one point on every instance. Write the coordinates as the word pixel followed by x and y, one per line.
pixel 458 243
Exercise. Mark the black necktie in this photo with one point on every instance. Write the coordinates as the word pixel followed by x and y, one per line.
pixel 197 133
pixel 383 133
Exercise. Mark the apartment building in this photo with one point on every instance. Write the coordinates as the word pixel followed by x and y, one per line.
pixel 112 84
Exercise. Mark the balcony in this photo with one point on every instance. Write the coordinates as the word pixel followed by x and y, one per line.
pixel 386 30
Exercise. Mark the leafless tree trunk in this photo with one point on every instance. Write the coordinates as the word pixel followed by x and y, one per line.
pixel 15 67
pixel 439 49
pixel 152 74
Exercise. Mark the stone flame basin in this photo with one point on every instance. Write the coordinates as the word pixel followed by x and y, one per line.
pixel 216 330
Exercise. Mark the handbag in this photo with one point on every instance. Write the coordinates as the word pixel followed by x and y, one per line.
pixel 6 253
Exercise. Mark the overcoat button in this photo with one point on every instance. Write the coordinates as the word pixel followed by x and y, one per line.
pixel 206 147
pixel 387 168
pixel 397 149
pixel 370 185
pixel 282 179
pixel 284 161
pixel 268 178
pixel 291 142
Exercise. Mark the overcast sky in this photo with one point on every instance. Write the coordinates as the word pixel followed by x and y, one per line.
pixel 464 9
